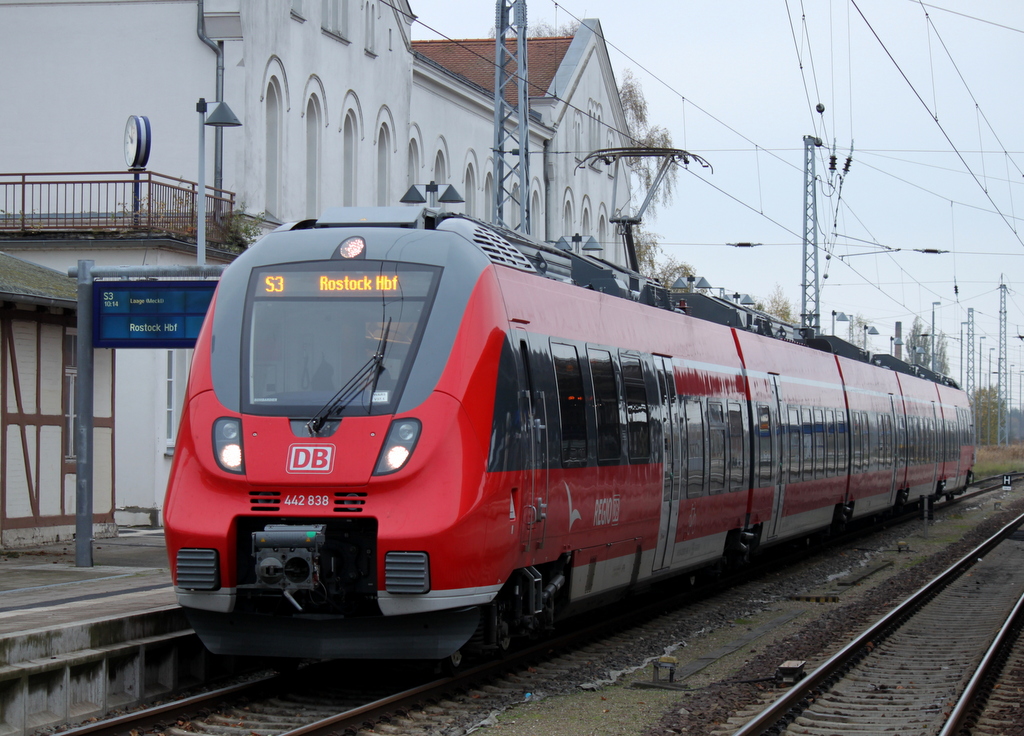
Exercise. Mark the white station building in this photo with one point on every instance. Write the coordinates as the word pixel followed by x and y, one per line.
pixel 338 105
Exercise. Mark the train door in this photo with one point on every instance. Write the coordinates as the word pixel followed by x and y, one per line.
pixel 671 463
pixel 935 444
pixel 891 432
pixel 533 406
pixel 782 453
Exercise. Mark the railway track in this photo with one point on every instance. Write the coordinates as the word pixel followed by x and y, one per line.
pixel 906 673
pixel 318 700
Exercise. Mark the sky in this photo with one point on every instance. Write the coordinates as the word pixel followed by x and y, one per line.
pixel 927 94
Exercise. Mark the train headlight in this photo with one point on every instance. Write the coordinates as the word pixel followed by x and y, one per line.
pixel 398 445
pixel 354 247
pixel 227 444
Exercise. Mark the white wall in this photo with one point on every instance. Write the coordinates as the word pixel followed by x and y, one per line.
pixel 84 66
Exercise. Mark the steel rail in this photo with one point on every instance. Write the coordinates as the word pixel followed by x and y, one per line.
pixel 782 709
pixel 187 708
pixel 159 715
pixel 973 698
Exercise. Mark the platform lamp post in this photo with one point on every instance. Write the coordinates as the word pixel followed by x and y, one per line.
pixel 221 117
pixel 450 195
pixel 894 342
pixel 872 330
pixel 701 282
pixel 838 316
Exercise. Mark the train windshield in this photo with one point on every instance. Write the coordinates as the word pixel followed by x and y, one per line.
pixel 313 329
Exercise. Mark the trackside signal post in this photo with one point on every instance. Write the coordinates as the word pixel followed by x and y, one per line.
pixel 126 313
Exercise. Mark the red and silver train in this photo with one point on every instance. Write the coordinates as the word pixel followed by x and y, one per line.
pixel 408 434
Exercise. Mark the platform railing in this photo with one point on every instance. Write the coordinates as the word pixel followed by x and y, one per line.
pixel 122 202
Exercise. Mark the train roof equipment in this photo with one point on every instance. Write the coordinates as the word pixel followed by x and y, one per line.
pixel 513 249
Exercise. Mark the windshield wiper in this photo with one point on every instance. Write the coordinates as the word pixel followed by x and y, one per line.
pixel 379 357
pixel 366 376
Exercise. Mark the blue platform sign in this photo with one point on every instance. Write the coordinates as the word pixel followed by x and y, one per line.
pixel 149 314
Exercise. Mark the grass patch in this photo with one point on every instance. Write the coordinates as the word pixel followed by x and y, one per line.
pixel 996 460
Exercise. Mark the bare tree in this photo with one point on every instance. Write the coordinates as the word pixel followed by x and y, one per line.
pixel 543 29
pixel 986 414
pixel 778 305
pixel 921 338
pixel 654 263
pixel 643 134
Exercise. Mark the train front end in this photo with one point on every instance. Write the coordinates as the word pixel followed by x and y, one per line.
pixel 326 498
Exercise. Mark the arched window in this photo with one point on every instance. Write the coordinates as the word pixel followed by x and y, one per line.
pixel 273 148
pixel 348 161
pixel 313 158
pixel 577 136
pixel 383 167
pixel 585 227
pixel 440 169
pixel 470 193
pixel 567 219
pixel 489 197
pixel 371 26
pixel 334 16
pixel 515 210
pixel 413 164
pixel 602 231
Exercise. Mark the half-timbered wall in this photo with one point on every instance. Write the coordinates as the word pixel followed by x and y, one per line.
pixel 37 454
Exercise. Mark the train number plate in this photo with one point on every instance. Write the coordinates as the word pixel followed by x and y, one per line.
pixel 301 499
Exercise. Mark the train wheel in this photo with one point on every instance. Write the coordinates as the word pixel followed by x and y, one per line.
pixel 451 664
pixel 503 639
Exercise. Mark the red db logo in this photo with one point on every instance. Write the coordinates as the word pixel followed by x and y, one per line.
pixel 310 458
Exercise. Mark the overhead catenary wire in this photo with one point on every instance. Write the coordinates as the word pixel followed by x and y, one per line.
pixel 941 128
pixel 843 208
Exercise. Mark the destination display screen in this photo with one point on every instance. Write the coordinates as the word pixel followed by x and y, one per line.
pixel 342 283
pixel 149 314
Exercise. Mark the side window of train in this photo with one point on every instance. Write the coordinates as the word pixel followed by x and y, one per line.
pixel 933 441
pixel 885 439
pixel 868 428
pixel 830 442
pixel 737 443
pixel 857 430
pixel 842 437
pixel 606 401
pixel 571 405
pixel 807 433
pixel 795 444
pixel 694 448
pixel 716 447
pixel 638 423
pixel 870 432
pixel 765 458
pixel 819 443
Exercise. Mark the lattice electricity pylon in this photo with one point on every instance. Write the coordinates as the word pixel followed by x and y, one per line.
pixel 810 308
pixel 970 368
pixel 511 137
pixel 1003 370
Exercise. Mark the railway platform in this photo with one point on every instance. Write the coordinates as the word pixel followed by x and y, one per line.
pixel 78 642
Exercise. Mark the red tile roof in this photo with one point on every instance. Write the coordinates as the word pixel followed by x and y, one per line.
pixel 474 59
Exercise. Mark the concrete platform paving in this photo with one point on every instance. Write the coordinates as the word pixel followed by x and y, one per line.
pixel 79 642
pixel 42 587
